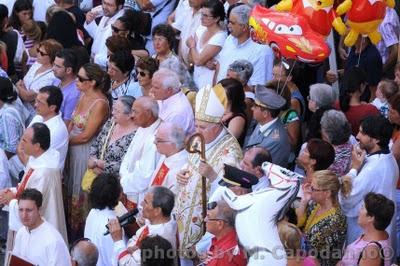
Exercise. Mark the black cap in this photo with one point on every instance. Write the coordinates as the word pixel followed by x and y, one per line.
pixel 235 177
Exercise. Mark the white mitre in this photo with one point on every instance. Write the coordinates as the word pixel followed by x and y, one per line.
pixel 211 104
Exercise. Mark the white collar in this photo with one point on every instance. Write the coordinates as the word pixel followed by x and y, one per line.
pixel 220 136
pixel 264 127
pixel 236 42
pixel 49 159
pixel 173 99
pixel 150 128
pixel 181 155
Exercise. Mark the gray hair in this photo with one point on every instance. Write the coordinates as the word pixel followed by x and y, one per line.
pixel 127 101
pixel 176 134
pixel 242 13
pixel 243 68
pixel 149 104
pixel 169 79
pixel 335 125
pixel 323 94
pixel 163 198
pixel 85 253
pixel 225 213
pixel 184 77
pixel 252 3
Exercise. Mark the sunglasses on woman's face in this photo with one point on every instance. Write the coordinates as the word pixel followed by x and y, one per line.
pixel 142 73
pixel 81 79
pixel 41 52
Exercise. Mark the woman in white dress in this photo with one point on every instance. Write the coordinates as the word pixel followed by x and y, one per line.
pixel 207 42
pixel 40 74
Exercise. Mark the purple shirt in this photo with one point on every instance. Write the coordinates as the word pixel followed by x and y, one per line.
pixel 71 96
pixel 389 29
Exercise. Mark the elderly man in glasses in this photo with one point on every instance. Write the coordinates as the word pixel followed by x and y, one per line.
pixel 224 249
pixel 157 206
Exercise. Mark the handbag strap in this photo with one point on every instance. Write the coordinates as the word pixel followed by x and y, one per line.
pixel 159 11
pixel 103 149
pixel 381 254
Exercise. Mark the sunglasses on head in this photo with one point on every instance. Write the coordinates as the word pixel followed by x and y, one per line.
pixel 211 205
pixel 82 79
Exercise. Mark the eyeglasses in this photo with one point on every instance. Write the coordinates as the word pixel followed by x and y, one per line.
pixel 237 68
pixel 142 73
pixel 40 52
pixel 313 189
pixel 115 29
pixel 81 79
pixel 161 141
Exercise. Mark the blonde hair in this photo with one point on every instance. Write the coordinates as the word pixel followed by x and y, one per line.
pixel 328 180
pixel 290 237
pixel 388 88
pixel 32 30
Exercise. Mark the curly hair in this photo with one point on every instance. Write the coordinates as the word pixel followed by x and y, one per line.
pixel 166 31
pixel 147 63
pixel 105 191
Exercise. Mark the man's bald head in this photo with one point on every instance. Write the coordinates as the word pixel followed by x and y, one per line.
pixel 145 111
pixel 84 253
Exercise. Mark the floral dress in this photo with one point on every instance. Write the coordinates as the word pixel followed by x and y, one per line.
pixel 76 201
pixel 114 152
pixel 325 234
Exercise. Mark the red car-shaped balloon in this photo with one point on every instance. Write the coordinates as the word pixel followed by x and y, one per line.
pixel 289 35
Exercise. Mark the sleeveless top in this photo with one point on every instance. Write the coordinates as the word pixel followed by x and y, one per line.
pixel 353 251
pixel 79 120
pixel 242 136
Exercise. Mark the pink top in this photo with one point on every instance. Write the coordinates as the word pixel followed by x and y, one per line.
pixel 353 251
pixel 309 261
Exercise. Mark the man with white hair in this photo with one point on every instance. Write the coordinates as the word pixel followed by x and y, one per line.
pixel 239 45
pixel 174 105
pixel 170 143
pixel 220 148
pixel 141 158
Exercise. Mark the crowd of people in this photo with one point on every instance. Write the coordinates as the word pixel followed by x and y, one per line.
pixel 116 109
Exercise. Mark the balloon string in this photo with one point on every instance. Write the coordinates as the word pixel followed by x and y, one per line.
pixel 287 78
pixel 359 54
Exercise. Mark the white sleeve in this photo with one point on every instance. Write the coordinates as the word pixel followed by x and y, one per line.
pixel 91 28
pixel 101 58
pixel 20 49
pixel 359 190
pixel 14 222
pixel 57 254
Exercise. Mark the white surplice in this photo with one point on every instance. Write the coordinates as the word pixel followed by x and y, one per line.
pixel 174 163
pixel 46 177
pixel 139 163
pixel 166 230
pixel 95 228
pixel 43 246
pixel 59 136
